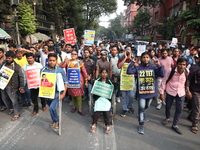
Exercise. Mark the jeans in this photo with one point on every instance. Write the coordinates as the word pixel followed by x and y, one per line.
pixel 178 109
pixel 143 105
pixel 88 90
pixel 26 97
pixel 10 99
pixel 53 104
pixel 127 99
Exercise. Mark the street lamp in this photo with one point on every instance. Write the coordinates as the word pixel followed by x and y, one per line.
pixel 34 6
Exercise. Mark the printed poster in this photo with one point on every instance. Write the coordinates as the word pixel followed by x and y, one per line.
pixel 5 76
pixel 33 78
pixel 69 35
pixel 146 81
pixel 126 82
pixel 47 85
pixel 89 36
pixel 102 89
pixel 74 77
pixel 174 42
pixel 141 49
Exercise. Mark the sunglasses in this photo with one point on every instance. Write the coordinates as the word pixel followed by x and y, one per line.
pixel 73 54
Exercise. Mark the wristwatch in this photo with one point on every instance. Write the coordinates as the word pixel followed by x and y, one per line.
pixel 186 91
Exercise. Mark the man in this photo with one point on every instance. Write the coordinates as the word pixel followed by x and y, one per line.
pixel 186 52
pixel 175 89
pixel 120 46
pixel 12 47
pixel 53 103
pixel 193 93
pixel 97 55
pixel 32 65
pixel 190 58
pixel 160 47
pixel 90 68
pixel 9 94
pixel 103 63
pixel 43 55
pixel 127 95
pixel 20 59
pixel 175 56
pixel 102 46
pixel 167 63
pixel 114 58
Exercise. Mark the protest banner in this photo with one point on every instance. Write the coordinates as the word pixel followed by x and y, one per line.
pixel 70 36
pixel 47 85
pixel 140 49
pixel 146 81
pixel 73 75
pixel 102 89
pixel 174 42
pixel 89 37
pixel 33 78
pixel 126 82
pixel 5 76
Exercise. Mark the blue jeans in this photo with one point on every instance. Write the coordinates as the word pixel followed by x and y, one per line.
pixel 88 91
pixel 26 97
pixel 143 105
pixel 53 104
pixel 179 107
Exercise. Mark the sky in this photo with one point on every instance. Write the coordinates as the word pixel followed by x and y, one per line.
pixel 104 20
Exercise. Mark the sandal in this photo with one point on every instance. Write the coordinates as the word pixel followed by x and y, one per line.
pixel 194 130
pixel 44 109
pixel 11 111
pixel 52 125
pixel 15 117
pixel 108 130
pixel 3 108
pixel 33 114
pixel 92 129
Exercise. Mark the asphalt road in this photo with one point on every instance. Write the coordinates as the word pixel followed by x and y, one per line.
pixel 34 133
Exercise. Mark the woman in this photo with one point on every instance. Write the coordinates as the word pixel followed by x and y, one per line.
pixel 106 114
pixel 76 93
pixel 146 87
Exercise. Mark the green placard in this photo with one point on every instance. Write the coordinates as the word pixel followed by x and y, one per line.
pixel 102 89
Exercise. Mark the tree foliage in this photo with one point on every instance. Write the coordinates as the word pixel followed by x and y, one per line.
pixel 27 24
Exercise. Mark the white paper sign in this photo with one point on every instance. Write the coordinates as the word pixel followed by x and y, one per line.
pixel 141 49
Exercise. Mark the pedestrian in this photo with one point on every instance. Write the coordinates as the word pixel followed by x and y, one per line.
pixel 175 55
pixel 193 93
pixel 76 93
pixel 146 86
pixel 174 85
pixel 53 103
pixel 190 58
pixel 9 94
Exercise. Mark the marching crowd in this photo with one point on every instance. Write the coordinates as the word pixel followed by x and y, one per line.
pixel 159 74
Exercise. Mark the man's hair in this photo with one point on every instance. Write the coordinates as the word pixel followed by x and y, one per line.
pixel 50 48
pixel 2 50
pixel 12 45
pixel 86 50
pixel 69 45
pixel 145 53
pixel 181 59
pixel 50 40
pixel 163 50
pixel 10 54
pixel 116 47
pixel 52 55
pixel 25 46
pixel 29 55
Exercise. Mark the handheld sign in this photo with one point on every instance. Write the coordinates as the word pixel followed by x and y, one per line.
pixel 89 37
pixel 146 81
pixel 69 35
pixel 73 76
pixel 102 89
pixel 33 78
pixel 5 76
pixel 141 49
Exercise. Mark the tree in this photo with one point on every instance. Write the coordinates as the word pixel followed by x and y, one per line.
pixel 27 24
pixel 167 30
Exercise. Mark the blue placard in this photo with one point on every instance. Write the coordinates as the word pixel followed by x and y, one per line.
pixel 73 76
pixel 89 36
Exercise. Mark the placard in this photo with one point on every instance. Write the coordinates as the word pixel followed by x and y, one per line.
pixel 70 36
pixel 89 37
pixel 126 81
pixel 102 89
pixel 47 85
pixel 33 78
pixel 174 42
pixel 73 75
pixel 141 49
pixel 146 81
pixel 5 76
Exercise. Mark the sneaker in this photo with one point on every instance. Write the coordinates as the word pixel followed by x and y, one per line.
pixel 141 129
pixel 131 110
pixel 146 120
pixel 159 106
pixel 176 129
pixel 28 104
pixel 165 122
pixel 73 110
pixel 118 99
pixel 82 113
pixel 24 105
pixel 124 113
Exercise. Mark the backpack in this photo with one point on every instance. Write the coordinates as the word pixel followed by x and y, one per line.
pixel 172 73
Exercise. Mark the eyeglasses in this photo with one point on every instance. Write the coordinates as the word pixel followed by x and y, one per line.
pixel 73 54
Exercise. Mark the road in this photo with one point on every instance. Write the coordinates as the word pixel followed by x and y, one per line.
pixel 34 133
